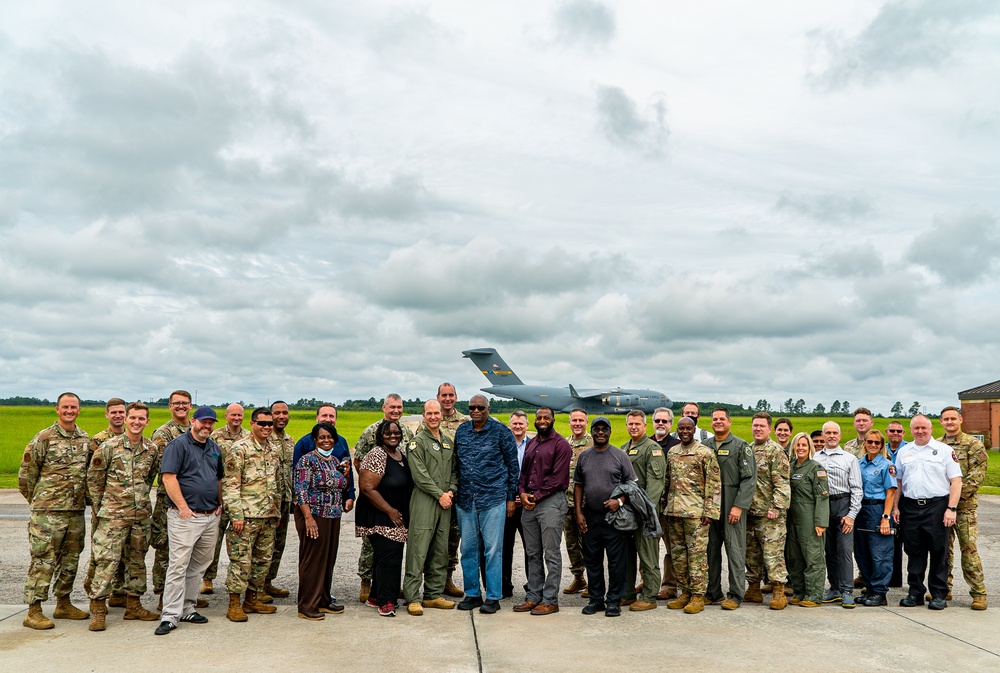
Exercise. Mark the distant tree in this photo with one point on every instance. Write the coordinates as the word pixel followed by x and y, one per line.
pixel 762 405
pixel 787 406
pixel 819 410
pixel 835 408
pixel 897 410
pixel 799 407
pixel 914 409
pixel 845 408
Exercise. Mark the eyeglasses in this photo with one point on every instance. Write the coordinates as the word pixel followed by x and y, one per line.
pixel 661 420
pixel 477 407
pixel 264 424
pixel 873 442
pixel 180 404
pixel 895 432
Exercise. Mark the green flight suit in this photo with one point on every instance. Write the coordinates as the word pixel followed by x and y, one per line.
pixel 650 464
pixel 810 507
pixel 738 469
pixel 434 470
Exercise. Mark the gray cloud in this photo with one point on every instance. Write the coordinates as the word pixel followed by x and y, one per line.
pixel 621 122
pixel 960 249
pixel 904 36
pixel 584 22
pixel 828 207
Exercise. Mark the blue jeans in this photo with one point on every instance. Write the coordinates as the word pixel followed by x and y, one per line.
pixel 485 525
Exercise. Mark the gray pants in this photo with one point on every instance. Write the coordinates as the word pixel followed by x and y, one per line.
pixel 543 529
pixel 839 548
pixel 192 545
pixel 734 536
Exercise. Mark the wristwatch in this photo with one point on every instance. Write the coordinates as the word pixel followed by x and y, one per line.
pixel 953 509
pixel 885 516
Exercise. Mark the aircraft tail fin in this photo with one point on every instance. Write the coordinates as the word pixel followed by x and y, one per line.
pixel 493 367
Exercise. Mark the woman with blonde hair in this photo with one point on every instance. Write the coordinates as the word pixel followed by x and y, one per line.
pixel 808 517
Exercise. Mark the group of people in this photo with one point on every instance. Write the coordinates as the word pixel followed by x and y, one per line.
pixel 788 511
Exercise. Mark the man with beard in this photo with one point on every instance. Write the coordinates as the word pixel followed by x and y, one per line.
pixel 663 420
pixel 542 491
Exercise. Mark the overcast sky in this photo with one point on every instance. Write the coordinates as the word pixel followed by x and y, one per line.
pixel 720 201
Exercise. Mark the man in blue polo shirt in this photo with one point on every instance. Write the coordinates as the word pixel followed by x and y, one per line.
pixel 487 484
pixel 190 473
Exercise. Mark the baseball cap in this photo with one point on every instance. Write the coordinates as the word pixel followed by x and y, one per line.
pixel 600 419
pixel 204 414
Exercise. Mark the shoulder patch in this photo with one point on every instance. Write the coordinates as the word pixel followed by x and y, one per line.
pixel 98 462
pixel 412 445
pixel 657 452
pixel 892 470
pixel 820 473
pixel 954 456
pixel 26 458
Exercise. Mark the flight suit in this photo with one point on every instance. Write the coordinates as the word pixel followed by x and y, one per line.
pixel 650 465
pixel 810 507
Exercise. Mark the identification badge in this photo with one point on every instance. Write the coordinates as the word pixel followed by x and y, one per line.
pixel 796 476
pixel 723 452
pixel 633 452
pixel 437 447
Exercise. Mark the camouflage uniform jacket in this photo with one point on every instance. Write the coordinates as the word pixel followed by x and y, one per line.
pixel 284 446
pixel 855 447
pixel 95 443
pixel 165 434
pixel 119 479
pixel 251 487
pixel 579 446
pixel 694 483
pixel 971 455
pixel 773 490
pixel 53 472
pixel 650 465
pixel 366 442
pixel 224 437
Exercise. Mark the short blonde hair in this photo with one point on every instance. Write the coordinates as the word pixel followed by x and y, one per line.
pixel 881 437
pixel 795 440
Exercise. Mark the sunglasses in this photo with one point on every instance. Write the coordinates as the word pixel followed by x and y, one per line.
pixel 477 407
pixel 873 442
pixel 264 424
pixel 661 420
pixel 895 432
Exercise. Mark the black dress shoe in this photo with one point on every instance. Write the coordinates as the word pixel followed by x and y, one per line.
pixel 470 603
pixel 489 607
pixel 873 601
pixel 164 628
pixel 911 601
pixel 937 604
pixel 592 608
pixel 613 611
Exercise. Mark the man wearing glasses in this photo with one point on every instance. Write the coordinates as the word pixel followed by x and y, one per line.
pixel 252 492
pixel 663 421
pixel 487 486
pixel 179 423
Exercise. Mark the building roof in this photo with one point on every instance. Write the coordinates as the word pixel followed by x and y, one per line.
pixel 985 390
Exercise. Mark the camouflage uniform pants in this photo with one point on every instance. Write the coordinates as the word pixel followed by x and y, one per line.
pixel 366 560
pixel 118 586
pixel 249 554
pixel 280 533
pixel 574 545
pixel 967 529
pixel 213 570
pixel 119 545
pixel 55 540
pixel 669 579
pixel 158 540
pixel 689 553
pixel 766 548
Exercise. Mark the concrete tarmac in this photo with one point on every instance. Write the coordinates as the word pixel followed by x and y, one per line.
pixel 752 638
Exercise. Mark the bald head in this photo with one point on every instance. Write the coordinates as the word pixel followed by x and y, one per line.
pixel 234 416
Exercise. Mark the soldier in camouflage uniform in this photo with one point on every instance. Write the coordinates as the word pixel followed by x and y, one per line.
pixel 118 481
pixel 251 495
pixel 179 423
pixel 225 436
pixel 766 526
pixel 862 423
pixel 971 456
pixel 284 445
pixel 392 410
pixel 694 500
pixel 650 466
pixel 114 411
pixel 53 479
pixel 579 440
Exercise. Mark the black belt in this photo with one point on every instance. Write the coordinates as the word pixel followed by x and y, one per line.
pixel 869 501
pixel 199 511
pixel 840 496
pixel 924 502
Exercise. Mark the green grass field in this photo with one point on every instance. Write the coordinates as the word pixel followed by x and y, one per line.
pixel 19 424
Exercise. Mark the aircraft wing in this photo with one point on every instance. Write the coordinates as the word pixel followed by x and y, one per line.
pixel 592 393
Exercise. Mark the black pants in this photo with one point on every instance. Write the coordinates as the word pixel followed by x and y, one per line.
pixel 897 561
pixel 386 569
pixel 924 534
pixel 511 529
pixel 602 538
pixel 839 548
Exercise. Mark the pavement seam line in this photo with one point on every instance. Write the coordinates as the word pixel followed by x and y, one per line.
pixel 948 635
pixel 475 639
pixel 15 614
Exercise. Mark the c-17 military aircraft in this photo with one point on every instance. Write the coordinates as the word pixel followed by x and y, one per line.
pixel 594 401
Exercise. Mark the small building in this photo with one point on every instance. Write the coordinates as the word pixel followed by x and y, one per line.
pixel 981 412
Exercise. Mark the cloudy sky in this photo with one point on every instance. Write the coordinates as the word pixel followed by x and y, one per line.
pixel 721 201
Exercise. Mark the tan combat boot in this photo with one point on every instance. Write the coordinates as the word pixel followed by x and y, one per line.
pixel 235 612
pixel 252 604
pixel 449 588
pixel 98 611
pixel 778 600
pixel 768 588
pixel 262 597
pixel 117 601
pixel 134 610
pixel 577 585
pixel 36 619
pixel 66 610
pixel 272 590
pixel 206 587
pixel 366 587
pixel 696 605
pixel 681 601
pixel 979 602
pixel 753 594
